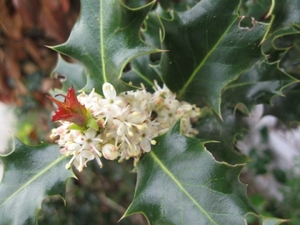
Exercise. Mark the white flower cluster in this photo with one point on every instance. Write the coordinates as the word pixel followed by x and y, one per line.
pixel 128 124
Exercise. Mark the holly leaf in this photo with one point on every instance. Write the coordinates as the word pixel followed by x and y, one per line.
pixel 30 174
pixel 224 132
pixel 282 38
pixel 256 9
pixel 70 74
pixel 287 107
pixel 256 86
pixel 290 62
pixel 283 15
pixel 141 71
pixel 179 182
pixel 105 38
pixel 142 68
pixel 211 51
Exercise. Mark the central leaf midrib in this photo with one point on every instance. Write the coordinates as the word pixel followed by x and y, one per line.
pixel 102 50
pixel 165 169
pixel 191 78
pixel 35 177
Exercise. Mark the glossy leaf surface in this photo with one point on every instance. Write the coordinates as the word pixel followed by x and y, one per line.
pixel 30 174
pixel 207 49
pixel 105 38
pixel 142 68
pixel 70 74
pixel 256 86
pixel 179 182
pixel 224 132
pixel 287 107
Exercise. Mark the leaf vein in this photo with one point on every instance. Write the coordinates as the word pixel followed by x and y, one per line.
pixel 58 160
pixel 165 169
pixel 191 78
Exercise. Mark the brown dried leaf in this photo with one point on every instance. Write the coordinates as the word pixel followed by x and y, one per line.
pixel 51 18
pixel 25 28
pixel 10 24
pixel 28 11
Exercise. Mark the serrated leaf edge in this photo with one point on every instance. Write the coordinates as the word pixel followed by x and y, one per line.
pixel 156 159
pixel 61 158
pixel 176 127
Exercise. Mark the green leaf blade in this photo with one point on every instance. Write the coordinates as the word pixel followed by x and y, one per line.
pixel 70 74
pixel 257 86
pixel 30 174
pixel 211 51
pixel 111 39
pixel 179 182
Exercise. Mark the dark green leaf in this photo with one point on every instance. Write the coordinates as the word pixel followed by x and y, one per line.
pixel 286 108
pixel 70 74
pixel 178 6
pixel 105 38
pixel 283 36
pixel 153 29
pixel 141 71
pixel 256 9
pixel 224 132
pixel 207 51
pixel 30 174
pixel 256 86
pixel 285 14
pixel 141 68
pixel 179 182
pixel 290 62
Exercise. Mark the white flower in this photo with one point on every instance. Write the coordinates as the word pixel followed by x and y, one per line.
pixel 128 124
pixel 80 159
pixel 89 139
pixel 90 101
pixel 83 147
pixel 112 104
pixel 146 137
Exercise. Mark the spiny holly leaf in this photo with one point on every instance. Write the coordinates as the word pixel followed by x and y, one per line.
pixel 141 71
pixel 284 29
pixel 256 9
pixel 211 51
pixel 153 29
pixel 285 14
pixel 105 38
pixel 179 182
pixel 289 63
pixel 287 107
pixel 70 74
pixel 256 86
pixel 30 174
pixel 282 47
pixel 141 68
pixel 224 132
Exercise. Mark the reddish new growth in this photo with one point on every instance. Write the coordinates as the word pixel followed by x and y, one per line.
pixel 70 110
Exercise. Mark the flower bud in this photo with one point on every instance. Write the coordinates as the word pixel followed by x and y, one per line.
pixel 110 151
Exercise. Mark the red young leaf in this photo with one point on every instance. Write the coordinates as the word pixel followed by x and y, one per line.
pixel 70 110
